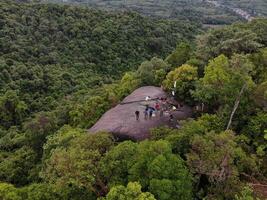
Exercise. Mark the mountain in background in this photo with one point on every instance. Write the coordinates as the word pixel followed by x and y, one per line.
pixel 194 10
pixel 256 8
pixel 205 11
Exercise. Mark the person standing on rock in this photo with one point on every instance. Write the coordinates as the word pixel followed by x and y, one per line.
pixel 161 113
pixel 150 113
pixel 137 113
pixel 157 107
pixel 146 113
pixel 171 118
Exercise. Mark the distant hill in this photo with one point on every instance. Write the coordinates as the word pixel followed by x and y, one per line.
pixel 255 7
pixel 194 10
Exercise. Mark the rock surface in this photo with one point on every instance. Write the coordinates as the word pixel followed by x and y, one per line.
pixel 121 120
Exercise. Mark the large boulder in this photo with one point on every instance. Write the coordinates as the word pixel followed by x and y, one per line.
pixel 121 120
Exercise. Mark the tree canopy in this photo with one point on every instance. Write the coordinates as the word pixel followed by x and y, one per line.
pixel 63 66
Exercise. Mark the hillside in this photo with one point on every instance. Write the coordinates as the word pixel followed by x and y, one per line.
pixel 55 50
pixel 68 72
pixel 255 8
pixel 193 10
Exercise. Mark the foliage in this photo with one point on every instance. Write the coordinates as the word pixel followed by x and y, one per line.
pixel 61 139
pixel 260 60
pixel 260 95
pixel 116 163
pixel 12 109
pixel 38 129
pixel 129 82
pixel 8 192
pixel 180 55
pixel 12 139
pixel 223 80
pixel 180 139
pixel 246 194
pixel 185 78
pixel 60 70
pixel 154 164
pixel 76 164
pixel 131 192
pixel 160 132
pixel 232 39
pixel 15 167
pixel 256 132
pixel 217 157
pixel 193 11
pixel 51 54
pixel 85 115
pixel 152 72
pixel 39 192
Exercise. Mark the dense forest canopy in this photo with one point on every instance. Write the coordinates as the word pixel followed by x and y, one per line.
pixel 63 66
pixel 50 51
pixel 193 10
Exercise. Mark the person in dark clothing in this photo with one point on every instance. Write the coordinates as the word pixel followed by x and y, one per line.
pixel 150 113
pixel 146 113
pixel 161 113
pixel 137 113
pixel 171 118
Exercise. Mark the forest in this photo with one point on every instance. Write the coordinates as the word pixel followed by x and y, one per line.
pixel 192 10
pixel 63 66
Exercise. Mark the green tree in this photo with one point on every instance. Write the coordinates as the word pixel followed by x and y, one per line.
pixel 12 109
pixel 38 128
pixel 86 114
pixel 180 140
pixel 185 78
pixel 128 83
pixel 12 139
pixel 150 72
pixel 260 95
pixel 218 159
pixel 161 132
pixel 9 192
pixel 77 164
pixel 154 164
pixel 15 167
pixel 61 139
pixel 115 165
pixel 228 41
pixel 260 61
pixel 180 55
pixel 223 81
pixel 131 192
pixel 255 131
pixel 246 194
pixel 39 191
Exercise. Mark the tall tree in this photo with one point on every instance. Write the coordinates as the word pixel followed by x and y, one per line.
pixel 131 192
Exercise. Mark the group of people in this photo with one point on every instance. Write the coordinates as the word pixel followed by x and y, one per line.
pixel 151 111
pixel 162 105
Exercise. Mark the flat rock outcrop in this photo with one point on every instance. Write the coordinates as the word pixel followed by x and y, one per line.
pixel 121 120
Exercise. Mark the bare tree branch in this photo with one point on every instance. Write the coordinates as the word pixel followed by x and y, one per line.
pixel 236 106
